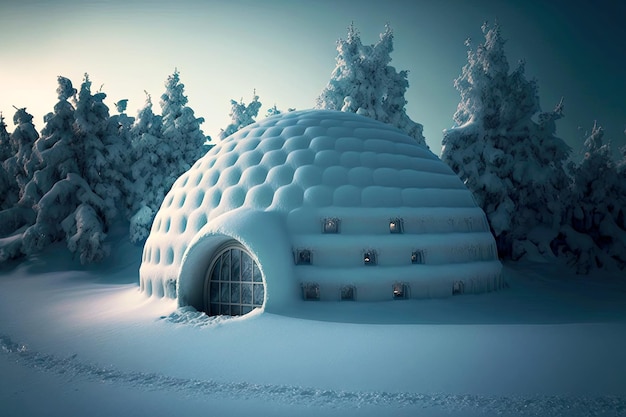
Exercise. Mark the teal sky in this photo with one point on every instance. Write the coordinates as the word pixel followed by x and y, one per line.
pixel 285 49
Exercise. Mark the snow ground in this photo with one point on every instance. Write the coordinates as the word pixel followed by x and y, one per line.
pixel 76 342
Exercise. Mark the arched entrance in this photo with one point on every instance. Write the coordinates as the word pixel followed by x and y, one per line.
pixel 234 284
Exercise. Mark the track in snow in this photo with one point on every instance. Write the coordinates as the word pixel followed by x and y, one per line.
pixel 72 368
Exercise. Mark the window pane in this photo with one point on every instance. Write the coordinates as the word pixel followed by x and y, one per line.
pixel 235 310
pixel 235 265
pixel 225 309
pixel 259 294
pixel 235 290
pixel 246 267
pixel 214 295
pixel 257 274
pixel 246 293
pixel 225 292
pixel 245 309
pixel 226 266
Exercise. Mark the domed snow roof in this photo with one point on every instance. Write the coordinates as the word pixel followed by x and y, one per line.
pixel 270 187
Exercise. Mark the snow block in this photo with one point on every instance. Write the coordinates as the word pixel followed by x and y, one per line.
pixel 330 206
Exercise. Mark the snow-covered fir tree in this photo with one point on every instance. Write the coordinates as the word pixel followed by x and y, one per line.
pixel 181 129
pixel 148 171
pixel 54 153
pixel 76 178
pixel 105 160
pixel 5 141
pixel 594 232
pixel 363 82
pixel 163 147
pixel 28 225
pixel 21 141
pixel 9 191
pixel 242 115
pixel 513 165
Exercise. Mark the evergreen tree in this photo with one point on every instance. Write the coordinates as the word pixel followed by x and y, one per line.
pixel 21 140
pixel 594 233
pixel 513 165
pixel 5 141
pixel 164 147
pixel 148 171
pixel 104 156
pixel 53 155
pixel 242 115
pixel 363 82
pixel 9 191
pixel 181 129
pixel 14 216
pixel 73 167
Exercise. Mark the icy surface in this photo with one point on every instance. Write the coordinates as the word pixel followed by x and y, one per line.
pixel 270 186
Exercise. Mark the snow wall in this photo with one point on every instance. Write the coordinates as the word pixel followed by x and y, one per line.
pixel 401 216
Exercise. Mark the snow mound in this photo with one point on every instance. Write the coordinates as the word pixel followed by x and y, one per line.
pixel 401 217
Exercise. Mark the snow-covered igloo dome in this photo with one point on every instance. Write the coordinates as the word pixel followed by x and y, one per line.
pixel 317 205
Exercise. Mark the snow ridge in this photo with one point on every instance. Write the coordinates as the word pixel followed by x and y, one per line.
pixel 72 368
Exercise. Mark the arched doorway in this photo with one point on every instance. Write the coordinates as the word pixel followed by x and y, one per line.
pixel 234 284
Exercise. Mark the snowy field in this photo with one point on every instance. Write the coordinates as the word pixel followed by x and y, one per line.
pixel 87 342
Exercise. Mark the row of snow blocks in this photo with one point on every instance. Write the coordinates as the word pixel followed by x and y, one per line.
pixel 456 252
pixel 466 217
pixel 377 283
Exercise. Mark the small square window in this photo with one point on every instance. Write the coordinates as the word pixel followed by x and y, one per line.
pixel 417 257
pixel 348 293
pixel 369 257
pixel 400 291
pixel 303 257
pixel 396 225
pixel 458 287
pixel 311 291
pixel 331 225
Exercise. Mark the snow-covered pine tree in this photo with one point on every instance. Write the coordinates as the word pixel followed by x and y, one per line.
pixel 53 155
pixel 9 191
pixel 106 159
pixel 5 141
pixel 513 165
pixel 181 129
pixel 594 234
pixel 70 156
pixel 363 82
pixel 21 141
pixel 148 171
pixel 242 115
pixel 164 147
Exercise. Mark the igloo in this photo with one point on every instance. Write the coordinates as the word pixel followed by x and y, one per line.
pixel 321 206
